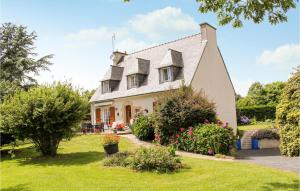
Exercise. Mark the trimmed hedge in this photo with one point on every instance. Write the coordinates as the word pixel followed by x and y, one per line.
pixel 266 134
pixel 260 112
pixel 142 128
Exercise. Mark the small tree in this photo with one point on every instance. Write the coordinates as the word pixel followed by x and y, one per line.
pixel 181 108
pixel 44 114
pixel 288 116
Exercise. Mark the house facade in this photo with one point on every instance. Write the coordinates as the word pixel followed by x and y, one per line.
pixel 135 80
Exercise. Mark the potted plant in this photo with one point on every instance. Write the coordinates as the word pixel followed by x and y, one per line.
pixel 111 144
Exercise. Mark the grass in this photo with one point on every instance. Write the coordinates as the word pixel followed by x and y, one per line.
pixel 258 125
pixel 79 167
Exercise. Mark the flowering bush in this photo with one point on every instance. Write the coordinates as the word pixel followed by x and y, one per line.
pixel 110 140
pixel 266 134
pixel 208 139
pixel 244 120
pixel 120 126
pixel 181 108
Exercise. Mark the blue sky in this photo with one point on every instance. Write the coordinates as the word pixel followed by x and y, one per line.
pixel 79 34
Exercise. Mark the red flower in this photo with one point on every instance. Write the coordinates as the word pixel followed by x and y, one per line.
pixel 177 135
pixel 182 129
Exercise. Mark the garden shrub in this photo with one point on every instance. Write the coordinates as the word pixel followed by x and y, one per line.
pixel 118 159
pixel 155 158
pixel 206 139
pixel 288 116
pixel 142 127
pixel 266 134
pixel 45 114
pixel 181 108
pixel 259 112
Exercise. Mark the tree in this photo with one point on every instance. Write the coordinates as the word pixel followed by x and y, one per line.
pixel 43 114
pixel 288 116
pixel 233 11
pixel 259 94
pixel 17 60
pixel 87 95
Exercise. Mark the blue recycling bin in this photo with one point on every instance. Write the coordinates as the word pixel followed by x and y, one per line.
pixel 238 144
pixel 254 144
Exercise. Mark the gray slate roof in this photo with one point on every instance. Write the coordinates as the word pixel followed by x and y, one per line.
pixel 190 50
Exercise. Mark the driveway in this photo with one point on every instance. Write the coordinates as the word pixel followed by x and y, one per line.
pixel 270 158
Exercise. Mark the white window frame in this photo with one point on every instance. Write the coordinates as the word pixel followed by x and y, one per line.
pixel 166 74
pixel 132 81
pixel 105 87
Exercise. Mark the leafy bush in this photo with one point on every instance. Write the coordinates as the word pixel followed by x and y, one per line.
pixel 181 108
pixel 110 139
pixel 117 159
pixel 44 114
pixel 6 138
pixel 155 158
pixel 290 140
pixel 260 113
pixel 142 127
pixel 288 116
pixel 206 139
pixel 266 134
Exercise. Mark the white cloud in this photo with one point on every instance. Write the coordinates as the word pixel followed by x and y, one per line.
pixel 163 21
pixel 92 36
pixel 241 86
pixel 283 57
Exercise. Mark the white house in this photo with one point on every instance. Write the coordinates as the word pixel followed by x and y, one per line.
pixel 134 80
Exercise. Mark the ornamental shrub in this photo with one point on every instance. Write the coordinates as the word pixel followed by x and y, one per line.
pixel 118 159
pixel 181 108
pixel 155 158
pixel 288 116
pixel 266 134
pixel 45 115
pixel 207 139
pixel 259 112
pixel 143 128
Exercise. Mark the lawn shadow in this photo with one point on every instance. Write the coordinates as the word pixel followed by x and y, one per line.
pixel 66 159
pixel 19 187
pixel 295 185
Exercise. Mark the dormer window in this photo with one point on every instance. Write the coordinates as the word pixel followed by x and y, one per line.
pixel 166 74
pixel 132 81
pixel 105 86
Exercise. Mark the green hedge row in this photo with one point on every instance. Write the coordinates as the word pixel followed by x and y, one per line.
pixel 261 112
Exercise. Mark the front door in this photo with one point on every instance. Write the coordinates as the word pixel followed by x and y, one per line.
pixel 128 113
pixel 98 116
pixel 111 115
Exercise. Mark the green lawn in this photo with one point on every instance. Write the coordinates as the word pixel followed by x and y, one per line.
pixel 258 125
pixel 79 167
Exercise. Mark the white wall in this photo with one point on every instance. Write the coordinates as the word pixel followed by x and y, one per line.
pixel 212 78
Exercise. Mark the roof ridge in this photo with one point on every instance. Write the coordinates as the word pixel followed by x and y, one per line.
pixel 164 43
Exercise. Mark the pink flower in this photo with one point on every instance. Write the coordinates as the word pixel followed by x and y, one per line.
pixel 177 135
pixel 206 121
pixel 190 131
pixel 226 125
pixel 176 142
pixel 182 129
pixel 210 152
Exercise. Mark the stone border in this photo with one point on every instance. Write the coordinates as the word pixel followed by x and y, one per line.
pixel 135 140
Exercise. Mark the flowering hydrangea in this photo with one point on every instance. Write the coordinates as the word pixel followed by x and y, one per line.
pixel 244 120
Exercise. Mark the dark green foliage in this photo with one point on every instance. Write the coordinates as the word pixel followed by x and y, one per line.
pixel 266 134
pixel 155 158
pixel 181 108
pixel 288 116
pixel 143 128
pixel 16 58
pixel 260 113
pixel 207 138
pixel 118 159
pixel 259 94
pixel 87 95
pixel 6 138
pixel 44 114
